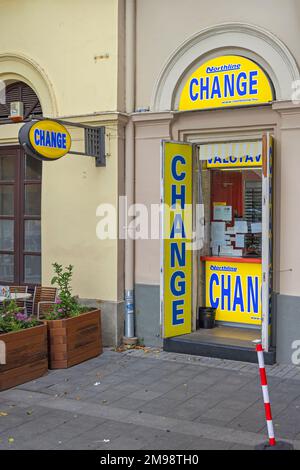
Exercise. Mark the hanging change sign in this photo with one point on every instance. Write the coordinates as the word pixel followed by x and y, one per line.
pixel 45 139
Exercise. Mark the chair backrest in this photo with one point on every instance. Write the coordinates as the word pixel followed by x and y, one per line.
pixel 19 290
pixel 43 294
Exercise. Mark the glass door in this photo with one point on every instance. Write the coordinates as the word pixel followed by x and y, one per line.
pixel 8 198
pixel 20 217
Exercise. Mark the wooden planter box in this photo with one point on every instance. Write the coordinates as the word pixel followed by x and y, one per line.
pixel 74 340
pixel 26 356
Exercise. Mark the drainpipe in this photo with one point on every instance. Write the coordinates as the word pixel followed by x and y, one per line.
pixel 130 51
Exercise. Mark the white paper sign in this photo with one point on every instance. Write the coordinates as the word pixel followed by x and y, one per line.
pixel 215 250
pixel 226 251
pixel 230 231
pixel 240 241
pixel 218 233
pixel 223 213
pixel 256 227
pixel 241 226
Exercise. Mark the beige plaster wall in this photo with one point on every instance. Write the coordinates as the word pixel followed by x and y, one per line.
pixel 162 27
pixel 70 52
pixel 67 39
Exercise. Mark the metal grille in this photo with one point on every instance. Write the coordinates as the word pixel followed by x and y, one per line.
pixel 95 144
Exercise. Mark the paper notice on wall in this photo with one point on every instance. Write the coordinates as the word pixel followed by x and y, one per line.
pixel 256 227
pixel 240 241
pixel 215 250
pixel 241 226
pixel 230 231
pixel 218 233
pixel 226 251
pixel 238 253
pixel 222 213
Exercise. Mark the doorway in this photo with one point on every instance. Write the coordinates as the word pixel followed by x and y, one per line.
pixel 232 187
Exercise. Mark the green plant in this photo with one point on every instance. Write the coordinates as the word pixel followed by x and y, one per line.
pixel 13 318
pixel 65 305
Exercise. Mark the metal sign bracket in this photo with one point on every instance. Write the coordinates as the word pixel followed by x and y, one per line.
pixel 94 140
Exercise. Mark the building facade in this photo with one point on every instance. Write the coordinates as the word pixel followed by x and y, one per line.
pixel 67 57
pixel 173 40
pixel 151 72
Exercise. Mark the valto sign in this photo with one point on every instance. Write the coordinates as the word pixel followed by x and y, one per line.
pixel 226 81
pixel 45 139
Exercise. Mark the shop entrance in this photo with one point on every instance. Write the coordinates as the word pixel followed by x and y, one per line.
pixel 231 246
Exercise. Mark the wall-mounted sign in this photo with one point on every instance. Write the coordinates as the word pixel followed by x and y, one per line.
pixel 226 81
pixel 176 261
pixel 45 139
pixel 234 290
pixel 232 154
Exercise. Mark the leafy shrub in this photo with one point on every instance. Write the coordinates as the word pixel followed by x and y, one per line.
pixel 66 305
pixel 13 318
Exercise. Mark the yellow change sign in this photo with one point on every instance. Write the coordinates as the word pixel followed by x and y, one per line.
pixel 234 290
pixel 226 81
pixel 45 139
pixel 50 139
pixel 177 237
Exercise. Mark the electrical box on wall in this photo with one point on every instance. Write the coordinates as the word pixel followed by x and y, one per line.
pixel 16 111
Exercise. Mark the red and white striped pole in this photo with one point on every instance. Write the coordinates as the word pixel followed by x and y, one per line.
pixel 265 391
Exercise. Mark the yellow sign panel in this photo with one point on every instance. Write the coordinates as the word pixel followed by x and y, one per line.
pixel 49 139
pixel 234 290
pixel 177 235
pixel 226 81
pixel 232 154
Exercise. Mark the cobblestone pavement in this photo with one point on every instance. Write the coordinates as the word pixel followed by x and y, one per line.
pixel 149 399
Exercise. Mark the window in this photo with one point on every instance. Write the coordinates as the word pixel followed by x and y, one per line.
pixel 20 200
pixel 20 217
pixel 19 91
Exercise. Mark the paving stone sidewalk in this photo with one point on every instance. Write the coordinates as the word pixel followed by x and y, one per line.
pixel 149 399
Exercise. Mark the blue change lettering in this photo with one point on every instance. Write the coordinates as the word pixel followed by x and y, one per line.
pixel 177 311
pixel 214 279
pixel 225 292
pixel 178 176
pixel 178 254
pixel 178 288
pixel 178 227
pixel 252 294
pixel 178 196
pixel 238 295
pixel 50 139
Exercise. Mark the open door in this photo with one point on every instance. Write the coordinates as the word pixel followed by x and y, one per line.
pixel 267 241
pixel 176 238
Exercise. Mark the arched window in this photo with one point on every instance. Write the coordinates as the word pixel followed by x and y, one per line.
pixel 20 91
pixel 20 200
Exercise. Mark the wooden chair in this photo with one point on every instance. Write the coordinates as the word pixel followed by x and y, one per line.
pixel 43 298
pixel 19 290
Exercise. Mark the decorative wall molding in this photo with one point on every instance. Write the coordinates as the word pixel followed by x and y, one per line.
pixel 15 66
pixel 244 39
